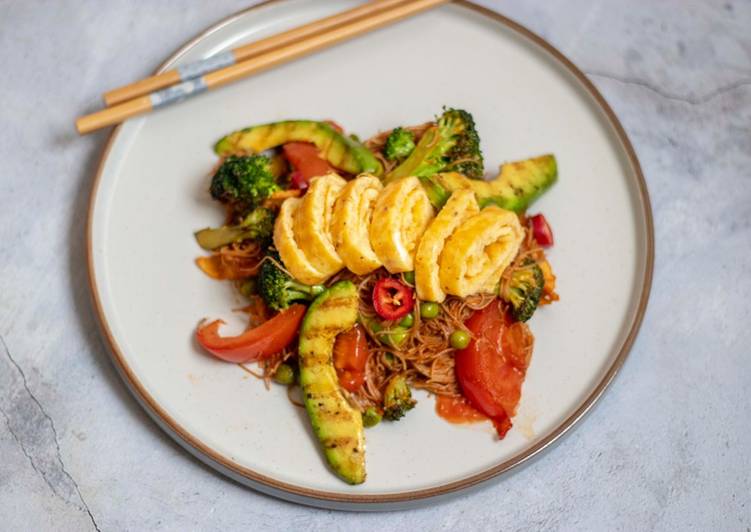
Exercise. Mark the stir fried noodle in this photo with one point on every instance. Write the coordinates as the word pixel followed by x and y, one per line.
pixel 426 356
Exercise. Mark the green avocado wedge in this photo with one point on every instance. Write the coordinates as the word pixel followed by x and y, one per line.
pixel 340 151
pixel 518 184
pixel 336 424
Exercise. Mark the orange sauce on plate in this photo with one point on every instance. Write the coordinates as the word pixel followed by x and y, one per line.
pixel 457 410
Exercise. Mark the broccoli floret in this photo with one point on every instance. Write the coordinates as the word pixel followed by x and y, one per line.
pixel 243 181
pixel 397 398
pixel 465 155
pixel 371 417
pixel 399 144
pixel 524 290
pixel 279 290
pixel 452 145
pixel 258 225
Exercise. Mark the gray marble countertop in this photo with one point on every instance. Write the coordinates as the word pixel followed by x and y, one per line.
pixel 668 447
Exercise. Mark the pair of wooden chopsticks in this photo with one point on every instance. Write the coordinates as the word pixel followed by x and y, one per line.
pixel 187 80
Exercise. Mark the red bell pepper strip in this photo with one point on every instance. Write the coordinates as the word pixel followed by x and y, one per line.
pixel 306 162
pixel 254 344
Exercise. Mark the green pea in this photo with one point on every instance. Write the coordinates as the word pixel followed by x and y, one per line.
pixel 407 321
pixel 397 337
pixel 284 374
pixel 429 310
pixel 371 323
pixel 371 417
pixel 409 277
pixel 459 339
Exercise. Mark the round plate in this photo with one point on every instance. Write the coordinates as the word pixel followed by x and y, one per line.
pixel 150 194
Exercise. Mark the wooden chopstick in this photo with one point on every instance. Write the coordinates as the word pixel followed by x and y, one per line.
pixel 223 76
pixel 198 68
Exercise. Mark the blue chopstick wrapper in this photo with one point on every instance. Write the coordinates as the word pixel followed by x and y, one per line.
pixel 177 92
pixel 192 82
pixel 196 69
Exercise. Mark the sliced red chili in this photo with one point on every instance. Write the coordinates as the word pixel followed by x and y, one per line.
pixel 541 230
pixel 392 300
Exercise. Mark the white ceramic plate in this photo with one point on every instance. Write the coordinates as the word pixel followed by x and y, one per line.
pixel 150 195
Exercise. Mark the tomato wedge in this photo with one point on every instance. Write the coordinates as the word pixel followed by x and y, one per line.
pixel 392 299
pixel 491 369
pixel 254 344
pixel 350 358
pixel 307 163
pixel 541 230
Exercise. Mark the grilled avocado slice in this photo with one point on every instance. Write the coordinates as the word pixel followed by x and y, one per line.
pixel 341 151
pixel 336 424
pixel 518 184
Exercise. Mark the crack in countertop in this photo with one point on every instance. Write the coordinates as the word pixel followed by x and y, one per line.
pixel 30 456
pixel 691 100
